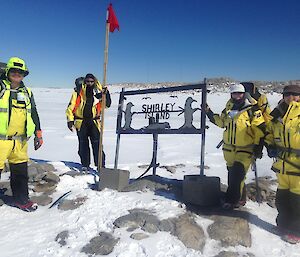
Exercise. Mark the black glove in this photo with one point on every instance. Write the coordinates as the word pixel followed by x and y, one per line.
pixel 107 94
pixel 70 125
pixel 272 151
pixel 257 151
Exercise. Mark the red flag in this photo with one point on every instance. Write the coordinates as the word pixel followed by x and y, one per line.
pixel 112 19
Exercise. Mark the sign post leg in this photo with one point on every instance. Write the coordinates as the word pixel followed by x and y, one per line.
pixel 154 160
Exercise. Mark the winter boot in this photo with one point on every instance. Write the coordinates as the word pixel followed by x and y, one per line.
pixel 27 206
pixel 85 170
pixel 290 238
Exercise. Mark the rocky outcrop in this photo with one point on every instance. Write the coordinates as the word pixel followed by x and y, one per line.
pixel 184 227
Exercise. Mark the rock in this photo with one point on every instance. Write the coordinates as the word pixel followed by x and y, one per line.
pixel 143 166
pixel 6 186
pixel 271 203
pixel 171 169
pixel 205 167
pixel 67 205
pixel 189 232
pixel 234 254
pixel 44 186
pixel 227 254
pixel 184 227
pixel 33 174
pixel 45 167
pixel 223 187
pixel 267 194
pixel 73 173
pixel 138 218
pixel 41 167
pixel 138 236
pixel 146 183
pixel 42 200
pixel 151 224
pixel 131 229
pixel 1 202
pixel 168 225
pixel 230 231
pixel 39 171
pixel 100 245
pixel 51 177
pixel 61 237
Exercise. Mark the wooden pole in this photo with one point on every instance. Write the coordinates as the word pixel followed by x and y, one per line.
pixel 103 103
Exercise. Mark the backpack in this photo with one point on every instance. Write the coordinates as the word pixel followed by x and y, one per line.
pixel 78 84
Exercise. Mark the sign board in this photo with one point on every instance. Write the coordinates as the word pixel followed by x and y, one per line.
pixel 166 110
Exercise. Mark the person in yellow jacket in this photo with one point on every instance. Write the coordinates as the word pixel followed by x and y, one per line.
pixel 83 113
pixel 244 129
pixel 19 120
pixel 262 100
pixel 283 143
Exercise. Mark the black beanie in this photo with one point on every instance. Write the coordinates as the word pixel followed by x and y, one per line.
pixel 291 89
pixel 90 76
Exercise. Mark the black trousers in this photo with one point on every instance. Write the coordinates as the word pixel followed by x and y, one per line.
pixel 89 132
pixel 288 206
pixel 19 182
pixel 236 175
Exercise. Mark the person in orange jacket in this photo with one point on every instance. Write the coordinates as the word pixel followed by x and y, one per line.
pixel 83 113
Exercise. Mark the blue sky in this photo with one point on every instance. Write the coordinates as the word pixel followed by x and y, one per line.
pixel 159 40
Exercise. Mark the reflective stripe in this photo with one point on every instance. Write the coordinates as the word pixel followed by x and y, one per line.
pixel 3 109
pixel 21 138
pixel 240 147
pixel 289 150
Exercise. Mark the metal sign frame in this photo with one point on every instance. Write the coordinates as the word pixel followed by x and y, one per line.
pixel 155 132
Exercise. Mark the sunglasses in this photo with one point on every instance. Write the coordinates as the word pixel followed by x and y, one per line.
pixel 15 71
pixel 89 81
pixel 291 93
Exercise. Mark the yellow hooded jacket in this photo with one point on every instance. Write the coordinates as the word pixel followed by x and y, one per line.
pixel 243 128
pixel 77 103
pixel 16 111
pixel 263 105
pixel 284 133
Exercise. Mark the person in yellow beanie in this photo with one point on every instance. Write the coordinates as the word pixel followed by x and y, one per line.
pixel 19 120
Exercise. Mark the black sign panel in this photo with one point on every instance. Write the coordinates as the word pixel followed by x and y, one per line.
pixel 161 111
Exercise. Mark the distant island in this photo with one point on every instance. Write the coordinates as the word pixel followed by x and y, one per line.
pixel 214 84
pixel 217 84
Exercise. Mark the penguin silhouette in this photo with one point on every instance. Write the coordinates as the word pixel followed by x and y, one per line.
pixel 128 116
pixel 189 113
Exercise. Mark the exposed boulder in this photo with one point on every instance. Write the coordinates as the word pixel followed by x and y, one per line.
pixel 62 237
pixel 67 205
pixel 41 200
pixel 100 245
pixel 234 254
pixel 139 236
pixel 230 231
pixel 189 232
pixel 184 227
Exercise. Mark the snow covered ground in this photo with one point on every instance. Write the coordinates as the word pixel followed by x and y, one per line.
pixel 32 234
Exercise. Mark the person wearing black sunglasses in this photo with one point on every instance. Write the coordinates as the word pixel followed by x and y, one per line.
pixel 283 143
pixel 19 120
pixel 83 114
